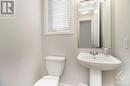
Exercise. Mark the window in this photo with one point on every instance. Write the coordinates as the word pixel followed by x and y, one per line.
pixel 58 16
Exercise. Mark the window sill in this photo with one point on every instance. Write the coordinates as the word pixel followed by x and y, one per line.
pixel 58 33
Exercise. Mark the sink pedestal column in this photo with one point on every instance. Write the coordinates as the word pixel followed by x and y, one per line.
pixel 95 77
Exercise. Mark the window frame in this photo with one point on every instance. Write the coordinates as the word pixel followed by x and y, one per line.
pixel 45 13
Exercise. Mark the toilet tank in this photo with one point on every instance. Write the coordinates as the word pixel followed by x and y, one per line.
pixel 55 65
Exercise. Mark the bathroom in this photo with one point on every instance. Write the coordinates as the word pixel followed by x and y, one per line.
pixel 24 46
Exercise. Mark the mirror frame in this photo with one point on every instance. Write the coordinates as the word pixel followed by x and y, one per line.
pixel 78 29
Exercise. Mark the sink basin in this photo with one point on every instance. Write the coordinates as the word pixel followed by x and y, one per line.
pixel 100 62
pixel 96 65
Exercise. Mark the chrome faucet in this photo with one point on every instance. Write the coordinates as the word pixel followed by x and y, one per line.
pixel 93 52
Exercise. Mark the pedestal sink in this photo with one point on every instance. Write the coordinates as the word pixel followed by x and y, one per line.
pixel 97 64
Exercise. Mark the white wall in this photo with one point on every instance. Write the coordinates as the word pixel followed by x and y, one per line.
pixel 20 45
pixel 65 45
pixel 121 31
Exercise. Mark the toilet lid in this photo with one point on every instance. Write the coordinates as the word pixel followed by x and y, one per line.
pixel 48 81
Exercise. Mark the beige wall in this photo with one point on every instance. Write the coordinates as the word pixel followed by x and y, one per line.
pixel 20 45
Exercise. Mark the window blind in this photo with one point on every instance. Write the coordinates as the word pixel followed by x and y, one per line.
pixel 59 15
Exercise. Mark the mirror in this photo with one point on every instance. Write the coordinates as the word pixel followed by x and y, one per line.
pixel 94 24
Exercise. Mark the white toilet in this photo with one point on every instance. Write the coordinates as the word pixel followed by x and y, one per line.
pixel 55 67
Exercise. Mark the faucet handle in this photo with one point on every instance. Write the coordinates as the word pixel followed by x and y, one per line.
pixel 96 52
pixel 107 51
pixel 90 51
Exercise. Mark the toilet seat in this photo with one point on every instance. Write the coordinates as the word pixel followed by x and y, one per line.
pixel 48 81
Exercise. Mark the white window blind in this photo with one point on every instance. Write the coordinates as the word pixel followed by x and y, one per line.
pixel 59 15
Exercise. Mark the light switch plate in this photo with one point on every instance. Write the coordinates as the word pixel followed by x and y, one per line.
pixel 126 43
